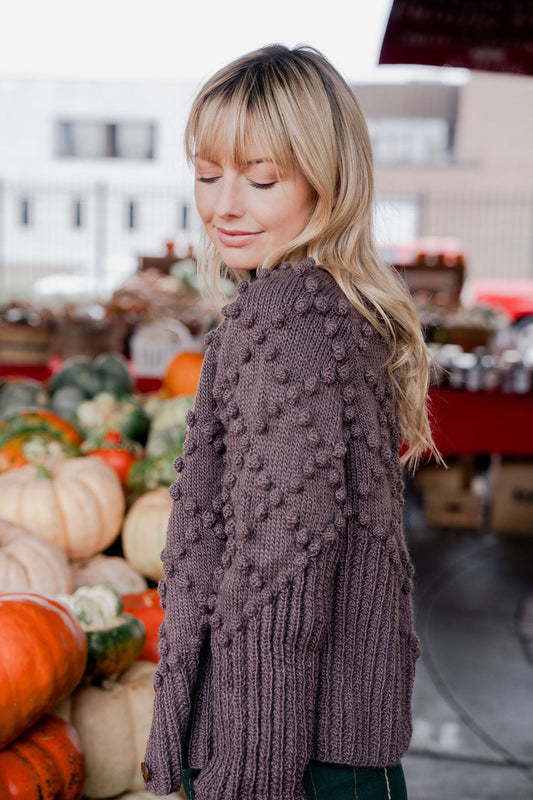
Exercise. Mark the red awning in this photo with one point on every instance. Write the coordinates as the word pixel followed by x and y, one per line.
pixel 493 35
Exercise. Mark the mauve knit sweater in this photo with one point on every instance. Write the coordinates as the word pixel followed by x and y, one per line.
pixel 288 631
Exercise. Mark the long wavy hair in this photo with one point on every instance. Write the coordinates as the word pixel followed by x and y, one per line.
pixel 304 114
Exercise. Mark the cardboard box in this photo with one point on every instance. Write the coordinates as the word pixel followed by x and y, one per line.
pixel 452 509
pixel 511 509
pixel 454 479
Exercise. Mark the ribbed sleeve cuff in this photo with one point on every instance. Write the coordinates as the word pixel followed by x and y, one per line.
pixel 163 759
pixel 264 685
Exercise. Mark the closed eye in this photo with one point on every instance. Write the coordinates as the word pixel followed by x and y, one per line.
pixel 206 180
pixel 263 185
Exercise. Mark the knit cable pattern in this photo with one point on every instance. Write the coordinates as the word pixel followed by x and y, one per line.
pixel 288 617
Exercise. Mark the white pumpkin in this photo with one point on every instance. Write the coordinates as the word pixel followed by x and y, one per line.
pixel 30 564
pixel 113 724
pixel 145 530
pixel 77 504
pixel 111 570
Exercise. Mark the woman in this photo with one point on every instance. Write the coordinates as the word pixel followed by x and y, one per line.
pixel 288 650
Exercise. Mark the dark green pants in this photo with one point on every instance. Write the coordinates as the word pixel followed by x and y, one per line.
pixel 335 782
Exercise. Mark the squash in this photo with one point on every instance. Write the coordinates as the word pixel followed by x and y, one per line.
pixel 116 450
pixel 113 722
pixel 45 763
pixel 182 374
pixel 153 473
pixel 42 449
pixel 114 639
pixel 105 412
pixel 43 652
pixel 65 401
pixel 168 424
pixel 144 532
pixel 78 504
pixel 108 372
pixel 27 563
pixel 21 393
pixel 40 420
pixel 113 571
pixel 146 606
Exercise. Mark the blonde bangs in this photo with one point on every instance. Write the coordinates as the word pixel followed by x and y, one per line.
pixel 220 130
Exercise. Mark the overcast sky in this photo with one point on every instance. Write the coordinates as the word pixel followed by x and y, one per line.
pixel 184 41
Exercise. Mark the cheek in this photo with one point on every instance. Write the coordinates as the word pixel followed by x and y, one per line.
pixel 201 199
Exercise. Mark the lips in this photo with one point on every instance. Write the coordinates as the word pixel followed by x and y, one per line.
pixel 233 238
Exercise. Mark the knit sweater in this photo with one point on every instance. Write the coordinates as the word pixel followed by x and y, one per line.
pixel 288 631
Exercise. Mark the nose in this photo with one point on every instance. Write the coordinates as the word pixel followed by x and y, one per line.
pixel 229 197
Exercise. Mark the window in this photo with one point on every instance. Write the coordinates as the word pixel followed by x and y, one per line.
pixel 184 217
pixel 411 140
pixel 77 216
pixel 25 211
pixel 131 215
pixel 95 139
pixel 396 220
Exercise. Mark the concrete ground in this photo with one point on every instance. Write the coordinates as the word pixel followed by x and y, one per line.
pixel 473 694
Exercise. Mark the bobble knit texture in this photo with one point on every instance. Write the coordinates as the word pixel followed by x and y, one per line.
pixel 288 632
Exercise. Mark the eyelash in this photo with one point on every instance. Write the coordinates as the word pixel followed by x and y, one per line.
pixel 252 183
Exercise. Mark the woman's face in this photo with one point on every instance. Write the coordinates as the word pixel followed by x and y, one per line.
pixel 249 212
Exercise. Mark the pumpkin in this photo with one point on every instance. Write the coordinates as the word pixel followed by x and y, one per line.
pixel 29 563
pixel 18 393
pixel 182 374
pixel 108 372
pixel 144 532
pixel 65 401
pixel 114 639
pixel 113 723
pixel 146 607
pixel 43 652
pixel 45 763
pixel 77 504
pixel 111 570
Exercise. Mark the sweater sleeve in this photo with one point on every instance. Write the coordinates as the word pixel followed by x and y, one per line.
pixel 284 417
pixel 194 546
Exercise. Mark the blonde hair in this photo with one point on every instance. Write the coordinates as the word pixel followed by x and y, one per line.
pixel 306 115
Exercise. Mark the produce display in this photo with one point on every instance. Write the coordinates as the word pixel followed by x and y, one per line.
pixel 112 571
pixel 113 723
pixel 147 607
pixel 85 466
pixel 28 563
pixel 77 504
pixel 42 659
pixel 114 638
pixel 45 763
pixel 144 532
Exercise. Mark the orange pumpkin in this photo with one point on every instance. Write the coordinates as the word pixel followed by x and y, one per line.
pixel 43 652
pixel 146 607
pixel 182 374
pixel 43 764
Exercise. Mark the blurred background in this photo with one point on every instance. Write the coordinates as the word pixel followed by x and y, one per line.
pixel 98 236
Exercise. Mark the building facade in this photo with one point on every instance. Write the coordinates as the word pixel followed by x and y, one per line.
pixel 92 173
